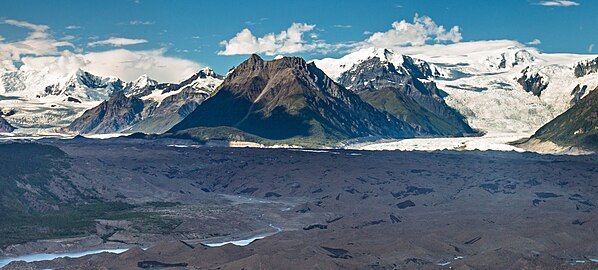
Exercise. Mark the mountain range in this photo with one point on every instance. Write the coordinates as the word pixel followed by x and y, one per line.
pixel 147 106
pixel 56 108
pixel 289 98
pixel 407 91
pixel 497 88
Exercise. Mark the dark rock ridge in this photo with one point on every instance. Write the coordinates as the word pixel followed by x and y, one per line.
pixel 578 126
pixel 140 114
pixel 289 98
pixel 5 126
pixel 578 93
pixel 519 58
pixel 532 82
pixel 405 93
pixel 586 67
pixel 112 115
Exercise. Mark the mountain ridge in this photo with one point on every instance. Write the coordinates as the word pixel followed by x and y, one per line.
pixel 147 106
pixel 292 99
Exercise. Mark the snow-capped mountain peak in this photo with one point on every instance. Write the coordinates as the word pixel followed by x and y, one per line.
pixel 205 79
pixel 142 82
pixel 334 68
pixel 514 56
pixel 207 72
pixel 85 86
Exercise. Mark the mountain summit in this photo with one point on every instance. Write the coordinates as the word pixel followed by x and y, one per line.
pixel 289 98
pixel 5 127
pixel 402 86
pixel 145 105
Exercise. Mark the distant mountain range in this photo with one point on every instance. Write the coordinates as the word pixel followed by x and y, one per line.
pixel 404 87
pixel 147 106
pixel 492 87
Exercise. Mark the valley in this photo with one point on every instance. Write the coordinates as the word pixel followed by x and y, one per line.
pixel 335 208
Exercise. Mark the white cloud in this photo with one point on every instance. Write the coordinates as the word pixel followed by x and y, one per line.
pixel 71 27
pixel 141 23
pixel 34 27
pixel 342 26
pixel 68 37
pixel 285 42
pixel 422 30
pixel 535 42
pixel 591 48
pixel 38 42
pixel 39 51
pixel 122 63
pixel 117 42
pixel 558 3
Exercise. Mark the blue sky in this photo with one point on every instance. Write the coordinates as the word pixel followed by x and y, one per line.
pixel 194 30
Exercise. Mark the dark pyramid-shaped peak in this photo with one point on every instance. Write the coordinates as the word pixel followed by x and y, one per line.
pixel 253 61
pixel 256 66
pixel 287 98
pixel 5 127
pixel 256 58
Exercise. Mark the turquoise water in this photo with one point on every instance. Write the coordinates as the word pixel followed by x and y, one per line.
pixel 51 256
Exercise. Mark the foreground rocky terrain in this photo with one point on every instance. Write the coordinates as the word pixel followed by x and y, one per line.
pixel 335 208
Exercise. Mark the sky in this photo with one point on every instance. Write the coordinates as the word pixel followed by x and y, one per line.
pixel 170 40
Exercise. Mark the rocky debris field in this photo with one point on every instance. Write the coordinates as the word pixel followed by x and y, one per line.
pixel 338 209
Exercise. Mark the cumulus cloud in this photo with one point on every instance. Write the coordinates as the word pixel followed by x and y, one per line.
pixel 38 42
pixel 300 37
pixel 287 41
pixel 117 42
pixel 422 30
pixel 558 3
pixel 535 42
pixel 342 26
pixel 40 51
pixel 71 27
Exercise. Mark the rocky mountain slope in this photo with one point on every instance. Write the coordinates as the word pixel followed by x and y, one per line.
pixel 46 101
pixel 147 106
pixel 500 87
pixel 576 127
pixel 288 98
pixel 5 127
pixel 112 115
pixel 403 86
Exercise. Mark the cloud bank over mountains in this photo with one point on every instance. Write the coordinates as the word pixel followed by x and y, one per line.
pixel 39 50
pixel 300 38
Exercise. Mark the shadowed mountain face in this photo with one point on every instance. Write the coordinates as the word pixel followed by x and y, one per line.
pixel 578 126
pixel 148 106
pixel 287 98
pixel 5 126
pixel 111 115
pixel 403 92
